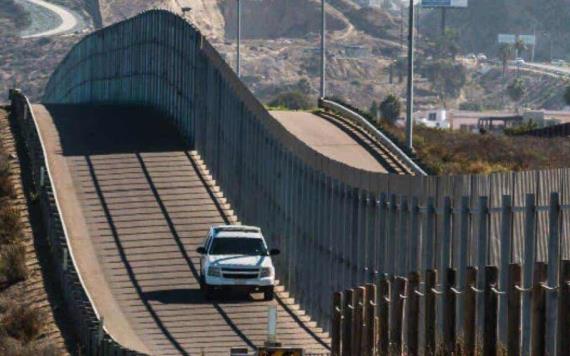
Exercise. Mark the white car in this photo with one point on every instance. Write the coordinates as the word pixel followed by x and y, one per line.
pixel 236 257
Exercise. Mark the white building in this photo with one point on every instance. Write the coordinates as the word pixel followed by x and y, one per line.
pixel 434 119
pixel 370 3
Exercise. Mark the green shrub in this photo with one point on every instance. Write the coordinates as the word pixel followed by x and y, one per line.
pixel 291 100
pixel 13 263
pixel 391 108
pixel 471 107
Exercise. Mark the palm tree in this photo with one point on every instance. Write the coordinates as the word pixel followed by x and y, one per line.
pixel 520 47
pixel 505 53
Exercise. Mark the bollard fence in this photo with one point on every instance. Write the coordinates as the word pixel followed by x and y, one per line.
pixel 330 219
pixel 349 336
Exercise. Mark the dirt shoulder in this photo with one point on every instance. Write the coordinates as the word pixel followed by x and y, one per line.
pixel 30 309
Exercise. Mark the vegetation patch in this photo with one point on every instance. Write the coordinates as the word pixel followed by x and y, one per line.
pixel 22 323
pixel 293 100
pixel 448 152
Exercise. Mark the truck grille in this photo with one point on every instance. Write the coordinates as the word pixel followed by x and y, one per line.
pixel 240 273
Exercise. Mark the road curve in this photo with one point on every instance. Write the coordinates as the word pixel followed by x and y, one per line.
pixel 68 20
pixel 136 207
pixel 328 139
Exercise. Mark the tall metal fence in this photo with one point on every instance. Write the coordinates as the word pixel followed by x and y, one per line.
pixel 337 226
pixel 87 323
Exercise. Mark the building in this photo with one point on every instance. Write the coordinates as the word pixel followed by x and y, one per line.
pixel 370 3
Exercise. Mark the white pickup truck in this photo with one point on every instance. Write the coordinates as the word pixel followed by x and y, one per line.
pixel 236 257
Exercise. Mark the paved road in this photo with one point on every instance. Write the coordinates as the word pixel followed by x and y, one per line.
pixel 549 68
pixel 67 21
pixel 328 139
pixel 136 209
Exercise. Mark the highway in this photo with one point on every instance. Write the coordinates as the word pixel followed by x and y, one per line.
pixel 136 205
pixel 549 68
pixel 67 20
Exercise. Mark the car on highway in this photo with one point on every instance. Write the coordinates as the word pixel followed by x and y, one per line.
pixel 519 61
pixel 236 257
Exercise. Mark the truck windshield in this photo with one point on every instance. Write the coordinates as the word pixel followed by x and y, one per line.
pixel 238 246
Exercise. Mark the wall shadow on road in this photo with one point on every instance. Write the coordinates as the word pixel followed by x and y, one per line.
pixel 106 129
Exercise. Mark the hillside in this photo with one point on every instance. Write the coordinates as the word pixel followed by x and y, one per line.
pixel 479 25
pixel 280 46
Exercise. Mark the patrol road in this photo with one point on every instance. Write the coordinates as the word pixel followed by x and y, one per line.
pixel 328 139
pixel 136 208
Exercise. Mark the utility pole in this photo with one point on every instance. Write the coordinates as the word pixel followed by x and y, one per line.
pixel 238 59
pixel 410 94
pixel 534 44
pixel 443 20
pixel 323 50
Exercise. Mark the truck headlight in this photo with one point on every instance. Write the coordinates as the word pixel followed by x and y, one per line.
pixel 214 272
pixel 266 272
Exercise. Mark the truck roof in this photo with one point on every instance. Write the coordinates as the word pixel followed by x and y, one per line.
pixel 236 231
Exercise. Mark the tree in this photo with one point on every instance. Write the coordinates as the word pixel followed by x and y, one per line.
pixel 391 108
pixel 447 78
pixel 447 46
pixel 520 47
pixel 304 86
pixel 516 90
pixel 293 100
pixel 374 110
pixel 506 54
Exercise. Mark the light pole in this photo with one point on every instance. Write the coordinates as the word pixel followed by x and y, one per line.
pixel 238 63
pixel 323 50
pixel 410 84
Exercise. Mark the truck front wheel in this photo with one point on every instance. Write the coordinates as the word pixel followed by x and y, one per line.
pixel 269 294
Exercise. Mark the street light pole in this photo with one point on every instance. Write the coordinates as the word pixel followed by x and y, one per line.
pixel 238 59
pixel 323 50
pixel 410 86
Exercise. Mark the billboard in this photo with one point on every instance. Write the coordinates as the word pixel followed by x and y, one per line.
pixel 528 40
pixel 506 38
pixel 444 3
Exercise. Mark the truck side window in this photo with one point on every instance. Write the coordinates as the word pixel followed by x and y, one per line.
pixel 208 243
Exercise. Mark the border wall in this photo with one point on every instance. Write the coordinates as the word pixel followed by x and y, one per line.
pixel 337 226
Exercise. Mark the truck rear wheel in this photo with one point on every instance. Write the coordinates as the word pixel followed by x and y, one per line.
pixel 207 290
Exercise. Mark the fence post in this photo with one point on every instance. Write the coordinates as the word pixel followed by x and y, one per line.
pixel 358 301
pixel 513 310
pixel 429 312
pixel 564 309
pixel 554 242
pixel 538 316
pixel 336 326
pixel 383 314
pixel 449 313
pixel 504 264
pixel 397 309
pixel 347 322
pixel 413 313
pixel 490 313
pixel 529 259
pixel 429 238
pixel 370 316
pixel 470 310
